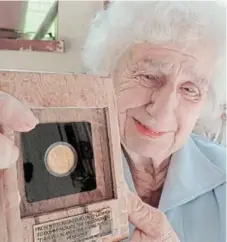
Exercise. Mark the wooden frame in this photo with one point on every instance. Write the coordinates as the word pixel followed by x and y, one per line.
pixel 73 91
pixel 32 45
pixel 104 186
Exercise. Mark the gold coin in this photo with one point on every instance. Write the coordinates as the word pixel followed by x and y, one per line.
pixel 61 159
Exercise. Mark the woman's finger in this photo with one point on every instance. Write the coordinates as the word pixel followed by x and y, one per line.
pixel 152 222
pixel 14 115
pixel 143 216
pixel 8 152
pixel 139 236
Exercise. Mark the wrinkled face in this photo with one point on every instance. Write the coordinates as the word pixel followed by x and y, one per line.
pixel 160 92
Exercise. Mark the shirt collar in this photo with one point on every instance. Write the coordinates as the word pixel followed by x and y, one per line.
pixel 190 175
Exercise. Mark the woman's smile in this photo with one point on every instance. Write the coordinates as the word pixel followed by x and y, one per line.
pixel 142 129
pixel 166 66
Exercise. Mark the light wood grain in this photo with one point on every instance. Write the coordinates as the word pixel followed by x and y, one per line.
pixel 55 90
pixel 102 163
pixel 32 45
pixel 10 222
pixel 3 219
pixel 58 97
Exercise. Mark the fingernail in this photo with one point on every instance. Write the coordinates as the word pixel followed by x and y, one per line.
pixel 32 120
pixel 33 123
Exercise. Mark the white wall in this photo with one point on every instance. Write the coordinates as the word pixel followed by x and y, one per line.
pixel 16 11
pixel 74 18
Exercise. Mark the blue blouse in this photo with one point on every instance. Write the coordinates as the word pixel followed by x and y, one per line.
pixel 194 193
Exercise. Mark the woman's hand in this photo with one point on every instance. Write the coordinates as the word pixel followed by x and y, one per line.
pixel 14 117
pixel 151 224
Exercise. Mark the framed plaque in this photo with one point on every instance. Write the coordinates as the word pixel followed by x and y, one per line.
pixel 68 183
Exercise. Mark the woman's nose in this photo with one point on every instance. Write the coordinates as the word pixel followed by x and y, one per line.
pixel 163 106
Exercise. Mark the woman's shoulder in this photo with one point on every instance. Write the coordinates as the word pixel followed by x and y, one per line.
pixel 214 152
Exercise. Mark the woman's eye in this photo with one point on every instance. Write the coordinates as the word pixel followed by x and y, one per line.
pixel 149 80
pixel 149 77
pixel 190 92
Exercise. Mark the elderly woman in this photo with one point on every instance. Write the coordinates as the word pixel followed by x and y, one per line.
pixel 163 58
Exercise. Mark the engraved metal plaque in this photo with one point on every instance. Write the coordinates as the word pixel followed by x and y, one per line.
pixel 85 227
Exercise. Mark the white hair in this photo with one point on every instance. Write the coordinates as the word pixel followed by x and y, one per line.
pixel 125 23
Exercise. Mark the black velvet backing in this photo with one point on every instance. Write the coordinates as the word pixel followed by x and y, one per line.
pixel 39 183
